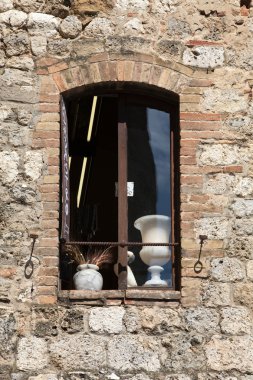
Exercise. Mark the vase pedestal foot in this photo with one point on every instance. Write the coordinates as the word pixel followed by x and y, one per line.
pixel 155 280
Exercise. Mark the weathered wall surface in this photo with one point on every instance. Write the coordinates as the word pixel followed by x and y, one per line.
pixel 203 51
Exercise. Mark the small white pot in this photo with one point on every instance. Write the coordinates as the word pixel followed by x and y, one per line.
pixel 87 277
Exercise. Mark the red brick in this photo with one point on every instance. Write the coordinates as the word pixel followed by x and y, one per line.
pixel 202 43
pixel 50 261
pixel 98 57
pixel 41 62
pixel 46 251
pixel 200 125
pixel 60 82
pixel 50 215
pixel 49 188
pixel 49 107
pixel 48 271
pixel 49 223
pixel 191 179
pixel 51 179
pixel 201 134
pixel 53 170
pixel 48 242
pixel 104 71
pixel 49 98
pixel 47 280
pixel 57 67
pixel 186 151
pixel 233 169
pixel 50 197
pixel 51 206
pixel 46 300
pixel 42 71
pixel 53 232
pixel 120 70
pixel 47 290
pixel 200 83
pixel 53 161
pixel 46 134
pixel 188 160
pixel 113 70
pixel 7 272
pixel 200 116
pixel 189 142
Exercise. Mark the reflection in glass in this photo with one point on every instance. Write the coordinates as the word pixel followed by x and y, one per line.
pixel 149 169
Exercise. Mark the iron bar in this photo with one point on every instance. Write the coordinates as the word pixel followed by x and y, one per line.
pixel 120 244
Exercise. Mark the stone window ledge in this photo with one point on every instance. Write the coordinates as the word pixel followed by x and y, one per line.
pixel 161 297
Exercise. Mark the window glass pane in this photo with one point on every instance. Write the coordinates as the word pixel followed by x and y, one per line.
pixel 149 206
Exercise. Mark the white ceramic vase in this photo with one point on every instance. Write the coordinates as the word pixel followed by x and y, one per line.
pixel 154 229
pixel 87 277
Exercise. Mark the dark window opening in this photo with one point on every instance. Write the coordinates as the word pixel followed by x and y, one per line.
pixel 123 172
pixel 245 3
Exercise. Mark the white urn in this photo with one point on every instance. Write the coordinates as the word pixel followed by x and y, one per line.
pixel 87 277
pixel 154 229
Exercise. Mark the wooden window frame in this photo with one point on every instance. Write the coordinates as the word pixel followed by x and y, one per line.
pixel 161 293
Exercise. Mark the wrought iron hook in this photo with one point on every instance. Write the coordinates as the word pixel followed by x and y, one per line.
pixel 29 266
pixel 198 266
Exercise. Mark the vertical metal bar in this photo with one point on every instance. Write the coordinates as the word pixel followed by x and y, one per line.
pixel 172 199
pixel 65 173
pixel 175 162
pixel 122 198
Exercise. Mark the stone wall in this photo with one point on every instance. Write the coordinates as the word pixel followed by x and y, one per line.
pixel 201 50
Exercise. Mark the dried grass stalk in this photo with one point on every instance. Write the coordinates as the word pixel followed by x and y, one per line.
pixel 97 257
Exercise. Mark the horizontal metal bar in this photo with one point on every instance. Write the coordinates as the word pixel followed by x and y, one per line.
pixel 121 244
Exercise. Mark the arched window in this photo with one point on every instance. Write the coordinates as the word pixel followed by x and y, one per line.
pixel 120 186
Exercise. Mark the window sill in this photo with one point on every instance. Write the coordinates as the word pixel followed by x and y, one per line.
pixel 133 296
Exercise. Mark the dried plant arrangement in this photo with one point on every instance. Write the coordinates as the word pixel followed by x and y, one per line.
pixel 97 257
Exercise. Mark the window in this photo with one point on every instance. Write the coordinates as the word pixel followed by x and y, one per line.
pixel 120 186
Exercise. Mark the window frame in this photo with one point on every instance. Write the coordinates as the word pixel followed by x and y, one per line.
pixel 159 100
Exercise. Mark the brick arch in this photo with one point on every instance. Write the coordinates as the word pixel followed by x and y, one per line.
pixel 144 69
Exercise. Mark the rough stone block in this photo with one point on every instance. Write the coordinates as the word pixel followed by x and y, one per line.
pixel 184 352
pixel 47 376
pixel 243 294
pixel 243 207
pixel 132 5
pixel 107 320
pixel 219 184
pixel 32 354
pixel 227 269
pixel 235 320
pixel 5 5
pixel 158 321
pixel 217 294
pixel 132 319
pixel 9 163
pixel 220 154
pixel 99 25
pixel 42 24
pixel 17 85
pixel 225 100
pixel 128 353
pixel 204 56
pixel 214 227
pixel 39 45
pixel 203 320
pixel 78 351
pixel 244 187
pixel 235 353
pixel 70 27
pixel 33 164
pixel 16 43
pixel 178 377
